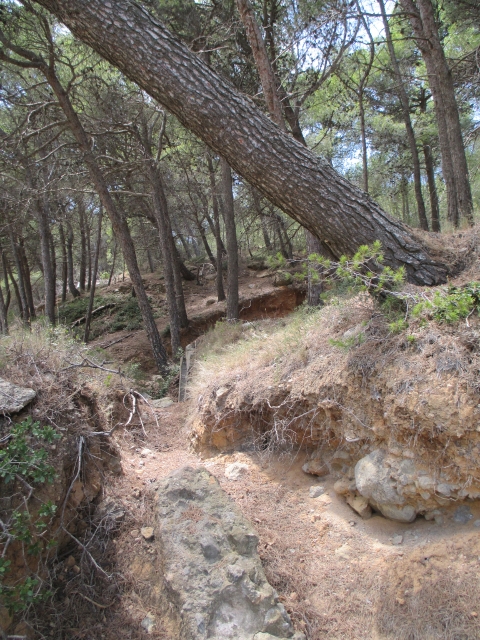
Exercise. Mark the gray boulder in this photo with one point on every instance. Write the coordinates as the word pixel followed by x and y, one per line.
pixel 374 482
pixel 212 573
pixel 13 398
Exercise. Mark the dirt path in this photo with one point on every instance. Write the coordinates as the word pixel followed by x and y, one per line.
pixel 339 577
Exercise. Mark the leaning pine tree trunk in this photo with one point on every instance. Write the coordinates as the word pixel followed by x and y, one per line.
pixel 232 246
pixel 290 176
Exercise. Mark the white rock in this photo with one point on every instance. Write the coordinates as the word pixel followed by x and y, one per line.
pixel 316 491
pixel 14 398
pixel 235 470
pixel 148 623
pixel 162 403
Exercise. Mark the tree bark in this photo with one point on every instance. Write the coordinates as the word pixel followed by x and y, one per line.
pixel 265 71
pixel 232 246
pixel 422 19
pixel 71 273
pixel 64 262
pixel 26 277
pixel 402 94
pixel 114 257
pixel 218 237
pixel 88 315
pixel 3 304
pixel 119 224
pixel 24 308
pixel 82 276
pixel 432 187
pixel 290 176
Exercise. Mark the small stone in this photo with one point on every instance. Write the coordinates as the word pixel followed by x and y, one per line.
pixel 134 533
pixel 70 562
pixel 398 539
pixel 463 514
pixel 14 398
pixel 148 623
pixel 210 301
pixel 76 569
pixel 352 523
pixel 235 470
pixel 360 505
pixel 343 551
pixel 222 392
pixel 476 523
pixel 316 491
pixel 145 452
pixel 162 403
pixel 147 533
pixel 344 486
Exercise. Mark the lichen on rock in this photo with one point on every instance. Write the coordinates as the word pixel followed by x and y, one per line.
pixel 212 573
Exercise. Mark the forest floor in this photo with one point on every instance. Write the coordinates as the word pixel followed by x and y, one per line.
pixel 339 576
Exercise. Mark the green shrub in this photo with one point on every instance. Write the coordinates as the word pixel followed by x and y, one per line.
pixel 24 458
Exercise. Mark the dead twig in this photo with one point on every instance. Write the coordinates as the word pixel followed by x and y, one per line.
pixel 109 305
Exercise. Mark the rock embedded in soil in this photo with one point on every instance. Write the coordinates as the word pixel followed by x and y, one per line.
pixel 316 491
pixel 213 576
pixel 14 398
pixel 462 514
pixel 162 403
pixel 235 470
pixel 148 533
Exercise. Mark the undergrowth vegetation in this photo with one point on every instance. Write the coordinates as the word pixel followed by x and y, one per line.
pixel 44 450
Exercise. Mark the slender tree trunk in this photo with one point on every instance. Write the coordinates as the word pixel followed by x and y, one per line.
pixel 196 248
pixel 218 236
pixel 24 309
pixel 71 274
pixel 184 271
pixel 26 277
pixel 3 305
pixel 159 204
pixel 83 246
pixel 186 248
pixel 203 236
pixel 53 258
pixel 261 217
pixel 232 246
pixel 88 317
pixel 64 262
pixel 402 94
pixel 262 62
pixel 89 254
pixel 16 289
pixel 315 283
pixel 112 270
pixel 290 176
pixel 425 28
pixel 3 314
pixel 363 138
pixel 432 187
pixel 119 224
pixel 5 278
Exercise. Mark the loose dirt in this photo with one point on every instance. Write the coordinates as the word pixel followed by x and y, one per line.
pixel 339 576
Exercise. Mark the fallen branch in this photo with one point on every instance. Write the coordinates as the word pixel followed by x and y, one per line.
pixel 104 345
pixel 109 305
pixel 97 604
